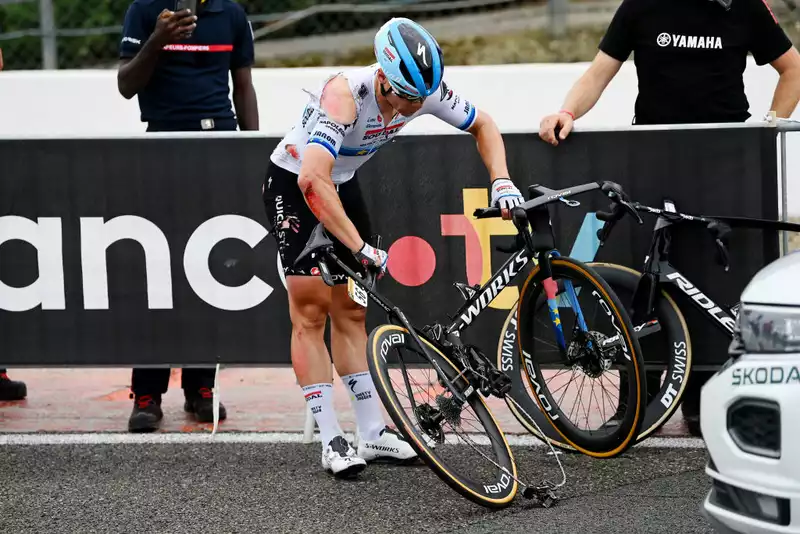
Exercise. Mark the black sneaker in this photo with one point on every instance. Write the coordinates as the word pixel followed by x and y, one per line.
pixel 11 390
pixel 200 404
pixel 146 414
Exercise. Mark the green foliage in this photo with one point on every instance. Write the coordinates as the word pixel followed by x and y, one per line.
pixel 536 46
pixel 73 52
pixel 101 50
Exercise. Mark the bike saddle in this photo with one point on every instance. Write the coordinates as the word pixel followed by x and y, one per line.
pixel 319 240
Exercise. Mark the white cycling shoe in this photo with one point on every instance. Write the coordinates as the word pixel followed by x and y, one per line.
pixel 391 446
pixel 340 459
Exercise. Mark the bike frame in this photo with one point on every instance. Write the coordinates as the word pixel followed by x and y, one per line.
pixel 659 272
pixel 537 242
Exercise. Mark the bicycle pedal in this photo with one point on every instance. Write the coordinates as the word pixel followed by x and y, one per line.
pixel 545 497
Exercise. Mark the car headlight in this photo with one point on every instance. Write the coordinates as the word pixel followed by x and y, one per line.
pixel 769 328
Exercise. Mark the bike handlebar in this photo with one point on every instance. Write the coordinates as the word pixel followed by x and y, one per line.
pixel 619 204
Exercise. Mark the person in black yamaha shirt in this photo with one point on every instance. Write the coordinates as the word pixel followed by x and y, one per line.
pixel 178 63
pixel 690 56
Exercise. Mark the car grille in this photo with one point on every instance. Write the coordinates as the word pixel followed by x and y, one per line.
pixel 751 504
pixel 755 427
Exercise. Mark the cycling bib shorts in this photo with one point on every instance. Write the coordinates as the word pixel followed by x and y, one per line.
pixel 293 222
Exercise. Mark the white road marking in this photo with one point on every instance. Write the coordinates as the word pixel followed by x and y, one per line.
pixel 181 438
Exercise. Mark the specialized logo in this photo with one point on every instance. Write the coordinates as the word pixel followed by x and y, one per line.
pixel 688 41
pixel 421 53
pixel 383 448
pixel 352 383
pixel 493 289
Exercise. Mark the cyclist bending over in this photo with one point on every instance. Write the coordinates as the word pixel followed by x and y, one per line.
pixel 311 178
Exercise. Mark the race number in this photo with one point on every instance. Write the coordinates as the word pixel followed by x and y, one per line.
pixel 357 293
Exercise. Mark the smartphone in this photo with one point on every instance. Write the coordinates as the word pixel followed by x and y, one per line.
pixel 191 5
pixel 180 5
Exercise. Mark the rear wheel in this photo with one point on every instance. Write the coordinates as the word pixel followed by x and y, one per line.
pixel 665 344
pixel 604 421
pixel 463 445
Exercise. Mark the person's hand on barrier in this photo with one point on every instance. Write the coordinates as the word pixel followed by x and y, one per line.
pixel 373 258
pixel 505 194
pixel 173 26
pixel 562 121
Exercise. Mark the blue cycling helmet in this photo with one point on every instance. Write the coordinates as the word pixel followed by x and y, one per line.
pixel 410 57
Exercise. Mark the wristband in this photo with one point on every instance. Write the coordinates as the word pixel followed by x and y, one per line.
pixel 568 113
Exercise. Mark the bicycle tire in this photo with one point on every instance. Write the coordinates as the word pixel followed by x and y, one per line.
pixel 621 439
pixel 496 496
pixel 660 408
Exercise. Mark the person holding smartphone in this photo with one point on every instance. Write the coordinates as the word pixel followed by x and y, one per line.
pixel 176 59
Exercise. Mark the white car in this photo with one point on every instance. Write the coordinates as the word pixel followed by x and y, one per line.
pixel 750 411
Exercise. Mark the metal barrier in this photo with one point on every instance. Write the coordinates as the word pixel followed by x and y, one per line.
pixel 784 127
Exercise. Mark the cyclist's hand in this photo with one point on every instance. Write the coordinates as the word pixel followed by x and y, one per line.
pixel 505 194
pixel 373 258
pixel 547 128
pixel 173 26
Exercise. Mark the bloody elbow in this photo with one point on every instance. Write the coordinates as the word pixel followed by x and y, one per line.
pixel 307 184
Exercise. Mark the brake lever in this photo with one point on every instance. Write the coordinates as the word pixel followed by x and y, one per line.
pixel 632 211
pixel 372 276
pixel 722 254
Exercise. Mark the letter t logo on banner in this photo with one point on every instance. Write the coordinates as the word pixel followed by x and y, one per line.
pixel 477 235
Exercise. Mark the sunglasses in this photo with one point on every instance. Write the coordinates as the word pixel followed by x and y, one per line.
pixel 412 99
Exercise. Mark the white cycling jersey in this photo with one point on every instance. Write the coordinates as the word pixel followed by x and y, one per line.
pixel 352 145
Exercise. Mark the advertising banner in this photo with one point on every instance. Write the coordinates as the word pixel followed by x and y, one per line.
pixel 156 250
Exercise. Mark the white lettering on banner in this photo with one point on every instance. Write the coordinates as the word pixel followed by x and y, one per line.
pixel 195 263
pixel 97 235
pixel 48 289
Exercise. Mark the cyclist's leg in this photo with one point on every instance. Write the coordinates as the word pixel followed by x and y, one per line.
pixel 309 305
pixel 374 441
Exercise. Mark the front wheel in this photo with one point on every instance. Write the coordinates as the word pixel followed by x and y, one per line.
pixel 462 444
pixel 574 330
pixel 665 343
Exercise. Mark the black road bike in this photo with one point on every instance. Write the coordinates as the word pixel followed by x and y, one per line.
pixel 430 381
pixel 650 300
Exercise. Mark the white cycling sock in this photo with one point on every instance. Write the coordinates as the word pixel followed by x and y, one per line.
pixel 319 398
pixel 366 404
